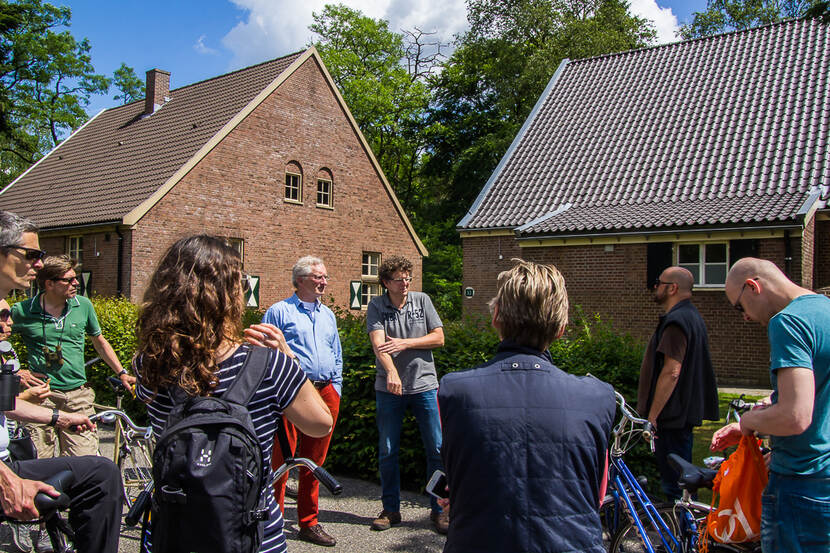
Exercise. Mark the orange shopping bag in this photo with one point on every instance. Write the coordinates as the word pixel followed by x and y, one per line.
pixel 737 491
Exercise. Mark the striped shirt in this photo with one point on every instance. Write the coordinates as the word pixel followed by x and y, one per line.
pixel 281 385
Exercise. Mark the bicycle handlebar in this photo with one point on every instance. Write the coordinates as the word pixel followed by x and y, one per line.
pixel 110 415
pixel 634 418
pixel 321 474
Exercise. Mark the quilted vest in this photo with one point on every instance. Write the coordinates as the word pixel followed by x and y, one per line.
pixel 524 450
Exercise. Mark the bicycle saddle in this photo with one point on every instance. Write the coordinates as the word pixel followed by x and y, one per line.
pixel 692 477
pixel 47 505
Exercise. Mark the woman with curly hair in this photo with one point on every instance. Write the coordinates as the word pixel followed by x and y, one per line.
pixel 189 335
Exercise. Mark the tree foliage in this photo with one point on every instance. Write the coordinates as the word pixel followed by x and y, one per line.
pixel 130 87
pixel 722 16
pixel 46 81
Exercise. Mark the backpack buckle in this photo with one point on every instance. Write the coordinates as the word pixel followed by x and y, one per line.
pixel 257 515
pixel 173 495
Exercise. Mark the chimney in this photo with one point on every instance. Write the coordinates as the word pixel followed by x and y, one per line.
pixel 157 90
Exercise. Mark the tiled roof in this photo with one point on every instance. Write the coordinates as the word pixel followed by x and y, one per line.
pixel 726 130
pixel 117 160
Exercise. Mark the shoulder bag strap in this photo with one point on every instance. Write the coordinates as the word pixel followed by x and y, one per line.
pixel 250 375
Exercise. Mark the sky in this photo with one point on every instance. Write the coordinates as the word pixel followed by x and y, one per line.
pixel 199 39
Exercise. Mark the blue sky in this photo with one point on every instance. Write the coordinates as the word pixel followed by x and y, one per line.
pixel 199 39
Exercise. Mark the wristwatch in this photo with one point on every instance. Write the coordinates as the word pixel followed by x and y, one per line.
pixel 122 373
pixel 55 415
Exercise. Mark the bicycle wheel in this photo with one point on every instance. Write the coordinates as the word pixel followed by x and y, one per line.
pixel 136 466
pixel 627 538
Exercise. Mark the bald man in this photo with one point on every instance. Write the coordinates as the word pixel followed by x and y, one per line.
pixel 677 389
pixel 796 505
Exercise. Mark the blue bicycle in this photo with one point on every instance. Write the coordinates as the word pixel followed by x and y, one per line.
pixel 632 522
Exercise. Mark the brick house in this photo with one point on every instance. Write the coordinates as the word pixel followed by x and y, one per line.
pixel 695 153
pixel 268 156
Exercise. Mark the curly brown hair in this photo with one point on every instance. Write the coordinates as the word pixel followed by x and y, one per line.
pixel 392 265
pixel 193 304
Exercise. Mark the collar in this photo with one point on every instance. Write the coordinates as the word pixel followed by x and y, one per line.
pixel 388 302
pixel 678 305
pixel 301 305
pixel 36 303
pixel 510 347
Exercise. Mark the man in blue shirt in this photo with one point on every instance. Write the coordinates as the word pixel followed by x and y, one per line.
pixel 795 516
pixel 310 330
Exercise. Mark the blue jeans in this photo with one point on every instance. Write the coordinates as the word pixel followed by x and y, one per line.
pixel 795 516
pixel 390 413
pixel 671 441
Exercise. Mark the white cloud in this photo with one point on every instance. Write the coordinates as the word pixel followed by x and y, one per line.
pixel 202 48
pixel 274 28
pixel 665 22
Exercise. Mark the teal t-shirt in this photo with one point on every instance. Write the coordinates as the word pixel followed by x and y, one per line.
pixel 799 336
pixel 69 330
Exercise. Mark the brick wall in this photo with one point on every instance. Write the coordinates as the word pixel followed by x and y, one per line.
pixel 822 255
pixel 237 191
pixel 613 284
pixel 99 256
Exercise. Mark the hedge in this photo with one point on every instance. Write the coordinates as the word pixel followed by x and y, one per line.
pixel 590 346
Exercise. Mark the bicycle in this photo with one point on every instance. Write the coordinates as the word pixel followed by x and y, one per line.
pixel 671 528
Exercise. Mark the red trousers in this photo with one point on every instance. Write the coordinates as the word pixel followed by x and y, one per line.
pixel 310 448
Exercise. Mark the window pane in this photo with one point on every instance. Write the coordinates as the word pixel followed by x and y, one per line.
pixel 324 192
pixel 368 291
pixel 688 253
pixel 715 274
pixel 292 187
pixel 371 262
pixel 716 253
pixel 695 270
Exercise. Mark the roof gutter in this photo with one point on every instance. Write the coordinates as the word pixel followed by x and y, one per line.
pixel 513 145
pixel 654 232
pixel 115 222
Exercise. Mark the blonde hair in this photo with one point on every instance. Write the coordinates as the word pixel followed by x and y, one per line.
pixel 531 304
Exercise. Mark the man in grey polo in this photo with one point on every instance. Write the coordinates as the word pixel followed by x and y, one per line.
pixel 404 328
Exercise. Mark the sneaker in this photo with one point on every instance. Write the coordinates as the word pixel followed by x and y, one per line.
pixel 441 521
pixel 42 543
pixel 292 488
pixel 316 535
pixel 21 537
pixel 386 520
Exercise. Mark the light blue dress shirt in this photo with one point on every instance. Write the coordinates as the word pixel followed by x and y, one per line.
pixel 312 336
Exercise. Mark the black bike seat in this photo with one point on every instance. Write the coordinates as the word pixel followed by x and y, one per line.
pixel 692 477
pixel 47 505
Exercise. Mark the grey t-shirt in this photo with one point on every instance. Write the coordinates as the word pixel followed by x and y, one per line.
pixel 417 318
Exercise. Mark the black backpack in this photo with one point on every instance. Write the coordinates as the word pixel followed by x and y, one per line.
pixel 208 470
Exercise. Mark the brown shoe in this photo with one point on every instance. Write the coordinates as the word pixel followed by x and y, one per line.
pixel 386 520
pixel 316 535
pixel 441 521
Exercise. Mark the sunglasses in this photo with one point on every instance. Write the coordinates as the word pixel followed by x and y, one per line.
pixel 5 314
pixel 31 254
pixel 658 282
pixel 737 305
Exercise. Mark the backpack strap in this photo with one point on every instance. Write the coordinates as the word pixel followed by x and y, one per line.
pixel 250 375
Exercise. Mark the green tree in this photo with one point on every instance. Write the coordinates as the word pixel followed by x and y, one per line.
pixel 381 75
pixel 46 79
pixel 130 87
pixel 722 16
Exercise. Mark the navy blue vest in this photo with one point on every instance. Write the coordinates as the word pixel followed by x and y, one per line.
pixel 524 450
pixel 695 397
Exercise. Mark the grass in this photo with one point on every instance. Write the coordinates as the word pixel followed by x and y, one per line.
pixel 703 436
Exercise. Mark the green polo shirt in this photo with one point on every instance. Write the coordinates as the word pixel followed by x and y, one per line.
pixel 37 327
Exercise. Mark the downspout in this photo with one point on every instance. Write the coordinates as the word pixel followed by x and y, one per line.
pixel 119 279
pixel 788 254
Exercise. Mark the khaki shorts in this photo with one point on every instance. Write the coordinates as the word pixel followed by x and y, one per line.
pixel 71 444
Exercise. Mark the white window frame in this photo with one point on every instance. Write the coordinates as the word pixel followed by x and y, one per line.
pixel 700 281
pixel 75 248
pixel 369 290
pixel 298 187
pixel 370 285
pixel 327 193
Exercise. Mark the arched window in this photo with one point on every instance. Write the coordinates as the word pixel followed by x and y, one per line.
pixel 293 182
pixel 325 189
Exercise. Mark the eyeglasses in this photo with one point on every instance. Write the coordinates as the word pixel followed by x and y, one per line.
pixel 5 314
pixel 404 279
pixel 67 280
pixel 320 278
pixel 31 254
pixel 658 282
pixel 737 305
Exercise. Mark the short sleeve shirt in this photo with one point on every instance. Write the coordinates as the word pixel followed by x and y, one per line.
pixel 417 318
pixel 799 336
pixel 39 329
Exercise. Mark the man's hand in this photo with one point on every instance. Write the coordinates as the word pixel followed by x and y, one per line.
pixel 128 381
pixel 79 421
pixel 725 437
pixel 393 345
pixel 269 336
pixel 30 379
pixel 393 383
pixel 17 495
pixel 35 394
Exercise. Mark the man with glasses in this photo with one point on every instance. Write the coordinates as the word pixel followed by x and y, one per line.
pixel 404 328
pixel 795 516
pixel 677 388
pixel 310 330
pixel 53 325
pixel 95 509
